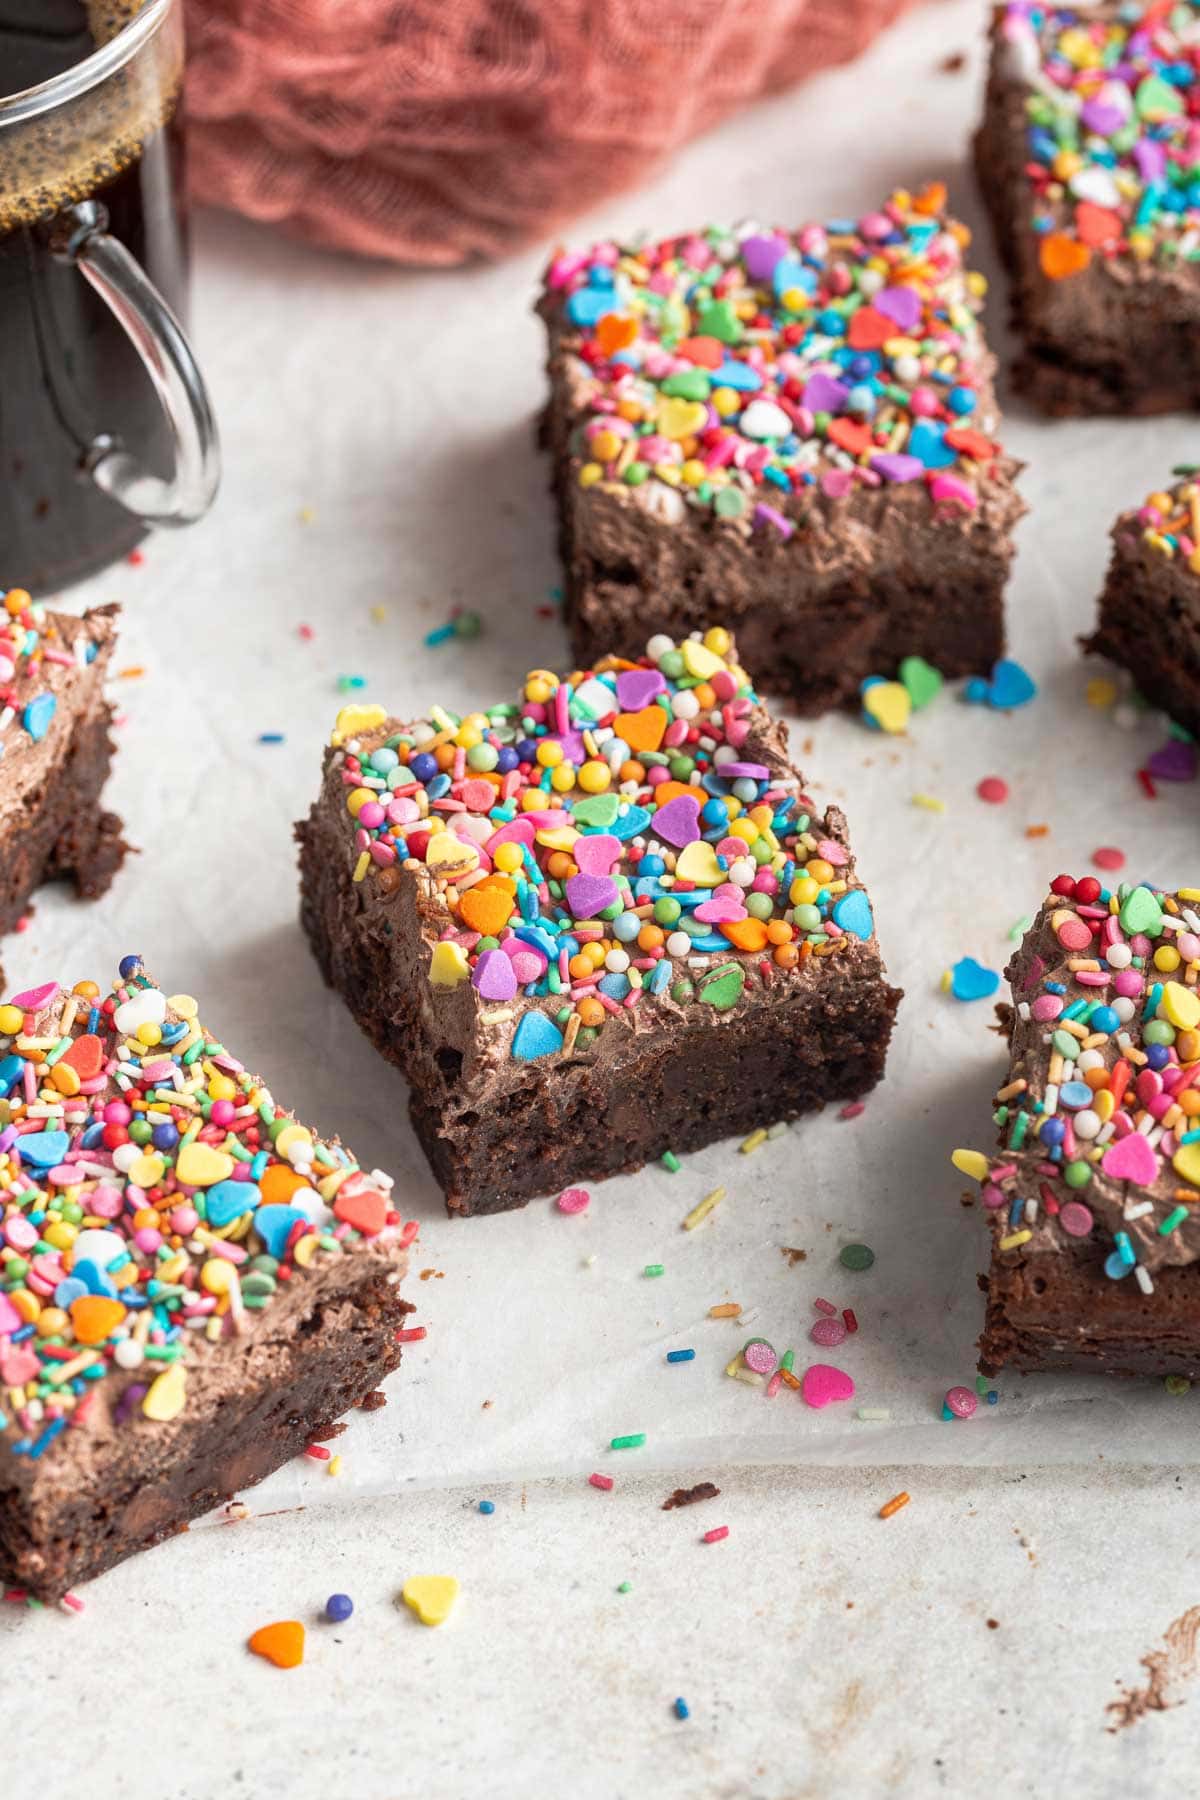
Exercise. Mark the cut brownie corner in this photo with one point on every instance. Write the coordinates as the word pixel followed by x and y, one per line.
pixel 789 433
pixel 197 1286
pixel 1091 1198
pixel 1102 283
pixel 1149 612
pixel 55 753
pixel 594 925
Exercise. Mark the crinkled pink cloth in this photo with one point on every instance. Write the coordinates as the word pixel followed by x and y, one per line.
pixel 446 129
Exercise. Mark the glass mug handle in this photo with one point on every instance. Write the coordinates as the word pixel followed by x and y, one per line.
pixel 79 237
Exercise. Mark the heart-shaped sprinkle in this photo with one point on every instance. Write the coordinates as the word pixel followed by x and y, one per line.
pixel 678 822
pixel 589 895
pixel 642 730
pixel 596 811
pixel 365 1210
pixel 822 1383
pixel 888 703
pixel 1061 256
pixel 33 999
pixel 228 1200
pixel 678 419
pixel 853 913
pixel 636 688
pixel 275 1224
pixel 1141 912
pixel 536 1036
pixel 146 1007
pixel 94 1317
pixel 723 987
pixel 448 964
pixel 1133 1159
pixel 745 934
pixel 166 1396
pixel 42 1149
pixel 697 863
pixel 900 304
pixel 199 1165
pixel 921 679
pixel 487 907
pixel 596 854
pixel 494 977
pixel 281 1643
pixel 431 1597
pixel 1010 686
pixel 1186 1163
pixel 971 980
pixel 1175 761
pixel 85 1056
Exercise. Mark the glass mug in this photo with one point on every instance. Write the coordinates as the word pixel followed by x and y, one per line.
pixel 105 424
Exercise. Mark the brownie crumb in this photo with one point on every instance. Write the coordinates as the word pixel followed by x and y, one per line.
pixel 793 1256
pixel 703 1490
pixel 373 1402
pixel 954 64
pixel 993 1624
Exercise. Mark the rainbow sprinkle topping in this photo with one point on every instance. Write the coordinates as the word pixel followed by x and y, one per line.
pixel 152 1198
pixel 32 642
pixel 734 371
pixel 1169 521
pixel 1100 1116
pixel 626 836
pixel 1114 129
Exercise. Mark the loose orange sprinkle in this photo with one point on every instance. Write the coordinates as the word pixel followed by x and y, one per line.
pixel 1061 256
pixel 1037 831
pixel 893 1505
pixel 729 1310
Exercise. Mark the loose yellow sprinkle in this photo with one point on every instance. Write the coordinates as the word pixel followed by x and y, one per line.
pixel 750 1144
pixel 335 1465
pixel 972 1163
pixel 929 803
pixel 361 866
pixel 1101 692
pixel 702 1210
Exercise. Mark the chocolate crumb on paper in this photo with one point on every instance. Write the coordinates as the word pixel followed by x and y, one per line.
pixel 703 1490
pixel 1166 1669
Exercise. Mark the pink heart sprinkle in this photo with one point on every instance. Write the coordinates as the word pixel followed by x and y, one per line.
pixel 1131 1159
pixel 33 999
pixel 596 855
pixel 823 1383
pixel 574 1200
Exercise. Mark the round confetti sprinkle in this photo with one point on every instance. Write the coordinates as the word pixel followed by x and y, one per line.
pixel 993 789
pixel 338 1607
pixel 759 1356
pixel 962 1402
pixel 856 1256
pixel 574 1200
pixel 487 1506
pixel 828 1333
pixel 1108 857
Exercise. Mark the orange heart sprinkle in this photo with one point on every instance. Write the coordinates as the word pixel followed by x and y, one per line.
pixel 86 1056
pixel 94 1316
pixel 705 352
pixel 746 934
pixel 486 909
pixel 642 730
pixel 1097 225
pixel 281 1643
pixel 366 1210
pixel 870 330
pixel 849 435
pixel 615 332
pixel 278 1183
pixel 1061 256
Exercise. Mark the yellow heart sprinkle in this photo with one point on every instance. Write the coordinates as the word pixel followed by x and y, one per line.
pixel 680 418
pixel 698 862
pixel 352 720
pixel 448 965
pixel 167 1395
pixel 199 1165
pixel 698 661
pixel 446 854
pixel 431 1597
pixel 889 704
pixel 971 1163
pixel 1186 1162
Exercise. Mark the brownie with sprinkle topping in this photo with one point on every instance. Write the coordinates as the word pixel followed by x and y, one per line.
pixel 790 432
pixel 1149 616
pixel 1088 159
pixel 55 752
pixel 1093 1197
pixel 593 924
pixel 193 1286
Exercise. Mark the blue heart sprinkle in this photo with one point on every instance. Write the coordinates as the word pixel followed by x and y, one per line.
pixel 737 375
pixel 853 913
pixel 274 1223
pixel 67 1290
pixel 43 1149
pixel 629 824
pixel 970 980
pixel 536 1036
pixel 38 714
pixel 228 1200
pixel 927 442
pixel 92 1278
pixel 1011 686
pixel 588 305
pixel 976 691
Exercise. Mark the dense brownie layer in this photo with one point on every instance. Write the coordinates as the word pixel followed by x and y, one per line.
pixel 683 1089
pixel 193 1284
pixel 66 1518
pixel 52 824
pixel 1092 1197
pixel 1150 612
pixel 1114 329
pixel 580 956
pixel 791 433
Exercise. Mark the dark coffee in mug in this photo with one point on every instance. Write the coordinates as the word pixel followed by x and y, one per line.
pixel 69 373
